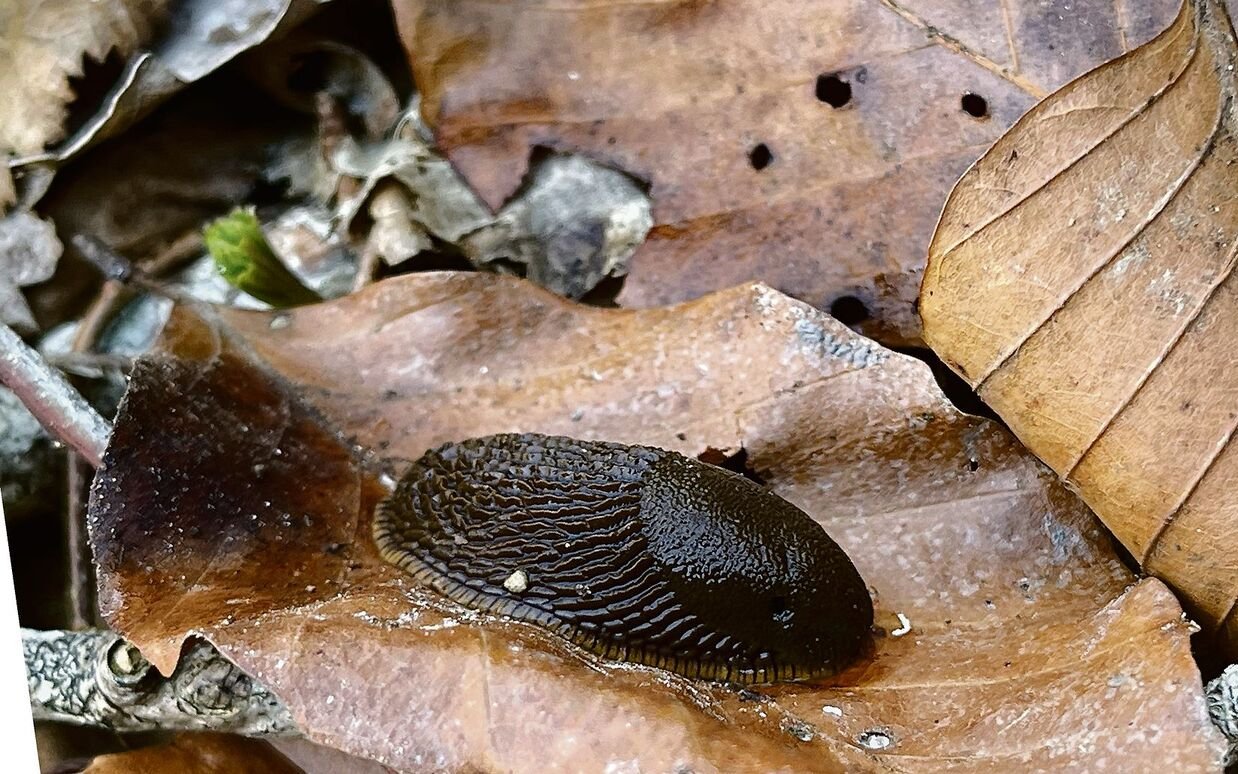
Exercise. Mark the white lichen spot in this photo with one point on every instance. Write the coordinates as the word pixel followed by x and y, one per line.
pixel 517 582
pixel 832 711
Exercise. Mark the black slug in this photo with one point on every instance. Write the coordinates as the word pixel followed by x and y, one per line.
pixel 631 552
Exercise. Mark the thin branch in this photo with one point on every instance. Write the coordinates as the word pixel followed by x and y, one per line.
pixel 51 399
pixel 83 608
pixel 95 678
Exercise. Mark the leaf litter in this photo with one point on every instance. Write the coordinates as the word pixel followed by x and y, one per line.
pixel 812 151
pixel 252 446
pixel 243 516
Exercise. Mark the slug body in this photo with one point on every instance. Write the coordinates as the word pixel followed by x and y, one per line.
pixel 631 552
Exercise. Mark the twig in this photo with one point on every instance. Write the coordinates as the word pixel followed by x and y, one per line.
pixel 91 364
pixel 83 610
pixel 51 399
pixel 95 678
pixel 367 267
pixel 114 266
pixel 1222 696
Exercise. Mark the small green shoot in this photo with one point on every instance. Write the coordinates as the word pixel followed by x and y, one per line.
pixel 245 259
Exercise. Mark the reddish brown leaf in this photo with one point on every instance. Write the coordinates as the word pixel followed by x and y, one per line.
pixel 227 507
pixel 685 95
pixel 1082 279
pixel 197 754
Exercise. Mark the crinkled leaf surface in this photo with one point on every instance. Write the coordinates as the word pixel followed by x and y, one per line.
pixel 1083 280
pixel 228 506
pixel 680 94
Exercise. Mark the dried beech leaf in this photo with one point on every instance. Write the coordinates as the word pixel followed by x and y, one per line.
pixel 42 45
pixel 1082 279
pixel 197 754
pixel 685 94
pixel 227 506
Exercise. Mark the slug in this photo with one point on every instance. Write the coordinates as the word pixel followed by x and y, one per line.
pixel 631 552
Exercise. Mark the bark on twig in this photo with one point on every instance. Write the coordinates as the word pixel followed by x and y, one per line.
pixel 51 399
pixel 95 678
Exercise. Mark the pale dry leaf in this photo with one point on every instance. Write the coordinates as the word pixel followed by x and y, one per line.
pixel 198 37
pixel 853 110
pixel 1082 280
pixel 43 44
pixel 437 201
pixel 29 250
pixel 573 224
pixel 229 505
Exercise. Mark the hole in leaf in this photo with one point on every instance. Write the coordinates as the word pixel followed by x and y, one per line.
pixel 760 157
pixel 975 105
pixel 736 463
pixel 849 310
pixel 833 91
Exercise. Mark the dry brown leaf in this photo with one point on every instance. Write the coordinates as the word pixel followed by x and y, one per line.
pixel 317 759
pixel 226 506
pixel 679 94
pixel 42 45
pixel 1082 279
pixel 197 754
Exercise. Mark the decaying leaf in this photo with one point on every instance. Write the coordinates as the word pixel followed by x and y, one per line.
pixel 574 223
pixel 236 496
pixel 199 37
pixel 1082 279
pixel 437 202
pixel 197 754
pixel 42 45
pixel 806 145
pixel 29 250
pixel 317 759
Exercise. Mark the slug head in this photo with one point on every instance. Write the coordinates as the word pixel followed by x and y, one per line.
pixel 752 564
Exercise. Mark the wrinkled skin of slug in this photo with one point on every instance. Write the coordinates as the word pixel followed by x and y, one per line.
pixel 631 552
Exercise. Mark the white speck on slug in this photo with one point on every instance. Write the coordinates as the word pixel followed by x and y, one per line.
pixel 832 711
pixel 517 582
pixel 904 627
